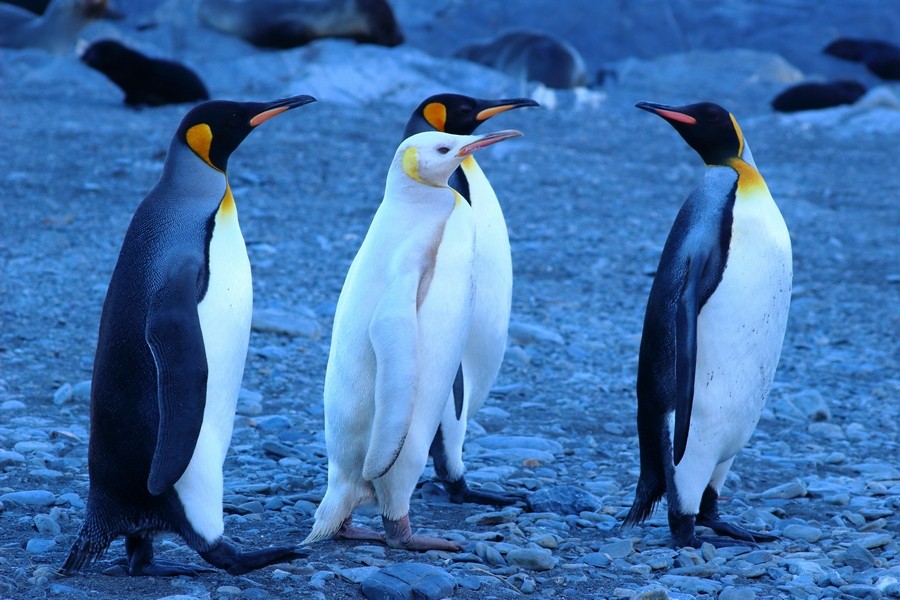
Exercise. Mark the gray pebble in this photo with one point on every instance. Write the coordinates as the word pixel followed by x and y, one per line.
pixel 523 334
pixel 46 525
pixel 564 500
pixel 620 549
pixel 39 546
pixel 11 405
pixel 11 458
pixel 802 532
pixel 409 580
pixel 81 392
pixel 859 558
pixel 786 491
pixel 29 498
pixel 500 442
pixel 735 593
pixel 490 555
pixel 536 559
pixel 62 395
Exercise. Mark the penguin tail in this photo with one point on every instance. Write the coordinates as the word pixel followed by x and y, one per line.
pixel 336 506
pixel 648 494
pixel 85 550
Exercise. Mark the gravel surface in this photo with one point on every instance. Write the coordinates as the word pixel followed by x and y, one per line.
pixel 589 194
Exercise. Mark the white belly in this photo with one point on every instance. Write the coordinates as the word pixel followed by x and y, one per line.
pixel 493 290
pixel 740 331
pixel 225 314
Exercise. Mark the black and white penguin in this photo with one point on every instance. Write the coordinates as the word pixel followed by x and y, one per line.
pixel 400 327
pixel 713 330
pixel 145 81
pixel 170 357
pixel 486 344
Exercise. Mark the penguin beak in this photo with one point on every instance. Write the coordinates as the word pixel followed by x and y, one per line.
pixel 669 113
pixel 489 109
pixel 487 140
pixel 276 107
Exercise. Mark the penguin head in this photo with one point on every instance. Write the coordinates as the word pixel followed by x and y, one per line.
pixel 707 128
pixel 431 157
pixel 458 114
pixel 214 129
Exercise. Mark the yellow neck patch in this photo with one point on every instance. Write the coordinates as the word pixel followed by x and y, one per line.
pixel 749 179
pixel 227 207
pixel 199 139
pixel 740 134
pixel 411 163
pixel 436 115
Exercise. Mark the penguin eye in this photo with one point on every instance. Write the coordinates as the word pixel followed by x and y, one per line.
pixel 234 120
pixel 443 150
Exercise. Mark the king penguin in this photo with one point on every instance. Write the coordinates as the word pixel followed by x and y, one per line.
pixel 170 357
pixel 713 330
pixel 486 344
pixel 400 328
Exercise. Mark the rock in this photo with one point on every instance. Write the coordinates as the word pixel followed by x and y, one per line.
pixel 786 491
pixel 39 546
pixel 812 404
pixel 29 498
pixel 564 500
pixel 523 334
pixel 81 392
pixel 490 555
pixel 620 549
pixel 536 559
pixel 11 458
pixel 46 524
pixel 859 558
pixel 741 593
pixel 275 320
pixel 249 403
pixel 62 395
pixel 409 580
pixel 802 532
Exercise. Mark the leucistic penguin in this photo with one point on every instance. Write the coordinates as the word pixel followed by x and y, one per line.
pixel 486 344
pixel 400 328
pixel 713 330
pixel 170 357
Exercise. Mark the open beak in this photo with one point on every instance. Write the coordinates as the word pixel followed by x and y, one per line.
pixel 669 113
pixel 489 109
pixel 276 107
pixel 486 140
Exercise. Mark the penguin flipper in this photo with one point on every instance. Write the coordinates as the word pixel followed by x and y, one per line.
pixel 176 342
pixel 686 351
pixel 393 334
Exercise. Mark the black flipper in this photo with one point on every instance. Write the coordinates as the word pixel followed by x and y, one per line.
pixel 458 390
pixel 686 352
pixel 176 342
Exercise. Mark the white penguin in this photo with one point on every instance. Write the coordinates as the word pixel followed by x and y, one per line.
pixel 484 350
pixel 399 331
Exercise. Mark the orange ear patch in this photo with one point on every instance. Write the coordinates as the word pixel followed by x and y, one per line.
pixel 436 115
pixel 199 139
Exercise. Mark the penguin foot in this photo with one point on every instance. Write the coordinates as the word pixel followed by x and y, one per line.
pixel 229 557
pixel 349 531
pixel 461 493
pixel 155 568
pixel 735 532
pixel 399 536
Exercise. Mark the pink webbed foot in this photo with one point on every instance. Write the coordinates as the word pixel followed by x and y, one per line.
pixel 348 531
pixel 399 535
